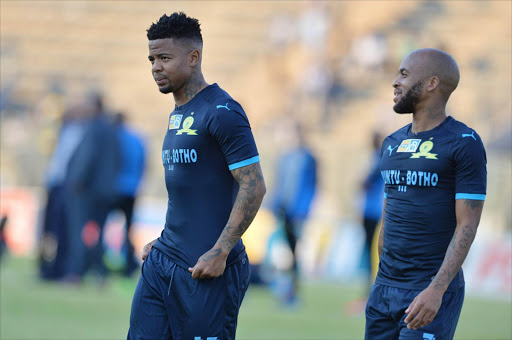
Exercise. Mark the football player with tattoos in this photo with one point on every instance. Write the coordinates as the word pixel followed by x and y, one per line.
pixel 434 171
pixel 195 275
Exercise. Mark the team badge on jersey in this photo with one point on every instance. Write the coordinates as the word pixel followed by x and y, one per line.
pixel 425 151
pixel 187 123
pixel 409 145
pixel 175 121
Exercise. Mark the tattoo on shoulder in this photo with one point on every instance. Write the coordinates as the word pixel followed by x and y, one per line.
pixel 474 204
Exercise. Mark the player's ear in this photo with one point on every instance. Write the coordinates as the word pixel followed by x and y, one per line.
pixel 433 83
pixel 194 57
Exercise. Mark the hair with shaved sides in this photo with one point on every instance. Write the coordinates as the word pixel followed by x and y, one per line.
pixel 177 26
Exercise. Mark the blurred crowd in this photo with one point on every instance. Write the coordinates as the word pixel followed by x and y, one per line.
pixel 96 167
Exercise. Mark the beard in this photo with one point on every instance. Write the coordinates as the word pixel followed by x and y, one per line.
pixel 166 89
pixel 408 102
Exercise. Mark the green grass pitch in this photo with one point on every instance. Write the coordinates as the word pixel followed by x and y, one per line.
pixel 30 309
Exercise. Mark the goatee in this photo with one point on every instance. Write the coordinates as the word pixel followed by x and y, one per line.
pixel 408 102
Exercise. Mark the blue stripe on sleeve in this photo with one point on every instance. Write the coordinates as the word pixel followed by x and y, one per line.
pixel 249 161
pixel 385 195
pixel 478 197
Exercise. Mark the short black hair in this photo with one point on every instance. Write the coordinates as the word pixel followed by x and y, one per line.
pixel 176 26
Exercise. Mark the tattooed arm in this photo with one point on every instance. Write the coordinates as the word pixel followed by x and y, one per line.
pixel 248 201
pixel 424 307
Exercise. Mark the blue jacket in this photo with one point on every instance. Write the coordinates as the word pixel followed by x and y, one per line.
pixel 295 183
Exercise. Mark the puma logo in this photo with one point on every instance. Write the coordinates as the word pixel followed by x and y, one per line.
pixel 224 106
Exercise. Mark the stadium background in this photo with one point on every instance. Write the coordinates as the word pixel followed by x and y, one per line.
pixel 277 59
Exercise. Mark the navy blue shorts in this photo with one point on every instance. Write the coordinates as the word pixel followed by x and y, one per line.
pixel 169 304
pixel 385 315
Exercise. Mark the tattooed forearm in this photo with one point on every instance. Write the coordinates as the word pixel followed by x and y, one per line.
pixel 468 217
pixel 248 201
pixel 455 256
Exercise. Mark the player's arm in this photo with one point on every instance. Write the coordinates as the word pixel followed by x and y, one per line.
pixel 248 201
pixel 425 306
pixel 147 248
pixel 381 231
pixel 468 214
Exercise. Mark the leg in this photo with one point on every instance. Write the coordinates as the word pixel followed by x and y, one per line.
pixel 49 241
pixel 77 211
pixel 207 308
pixel 101 209
pixel 289 228
pixel 379 323
pixel 126 204
pixel 148 317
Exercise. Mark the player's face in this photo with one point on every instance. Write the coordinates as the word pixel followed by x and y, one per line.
pixel 170 64
pixel 406 103
pixel 408 87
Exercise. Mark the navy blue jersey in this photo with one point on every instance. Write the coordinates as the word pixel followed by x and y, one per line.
pixel 424 174
pixel 206 138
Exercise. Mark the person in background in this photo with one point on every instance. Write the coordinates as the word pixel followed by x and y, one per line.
pixel 54 246
pixel 373 191
pixel 92 174
pixel 133 160
pixel 294 191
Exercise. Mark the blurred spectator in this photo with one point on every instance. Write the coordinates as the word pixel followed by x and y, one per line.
pixel 313 27
pixel 316 79
pixel 92 175
pixel 335 93
pixel 54 246
pixel 127 184
pixel 373 190
pixel 281 32
pixel 370 52
pixel 295 188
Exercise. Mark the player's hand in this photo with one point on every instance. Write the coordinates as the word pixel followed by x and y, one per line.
pixel 210 265
pixel 424 308
pixel 147 248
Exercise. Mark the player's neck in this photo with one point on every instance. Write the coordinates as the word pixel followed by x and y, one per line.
pixel 427 118
pixel 195 84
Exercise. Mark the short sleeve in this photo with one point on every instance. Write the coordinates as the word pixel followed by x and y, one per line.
pixel 232 131
pixel 470 169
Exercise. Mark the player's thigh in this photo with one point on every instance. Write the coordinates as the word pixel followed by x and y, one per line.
pixel 444 324
pixel 148 317
pixel 379 323
pixel 207 308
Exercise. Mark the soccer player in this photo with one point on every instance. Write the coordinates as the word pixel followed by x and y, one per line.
pixel 435 184
pixel 195 275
